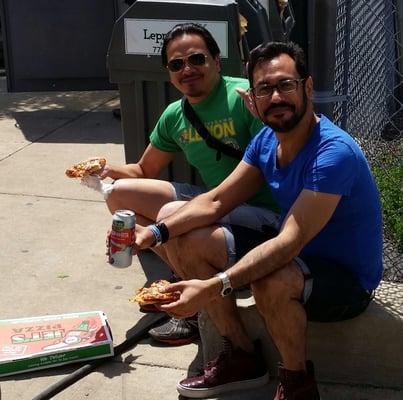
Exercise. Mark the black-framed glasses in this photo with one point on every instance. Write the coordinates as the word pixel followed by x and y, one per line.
pixel 283 86
pixel 195 59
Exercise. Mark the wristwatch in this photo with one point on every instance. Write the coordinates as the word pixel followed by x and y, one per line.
pixel 226 284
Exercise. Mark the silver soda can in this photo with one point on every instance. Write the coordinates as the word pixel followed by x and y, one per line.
pixel 121 238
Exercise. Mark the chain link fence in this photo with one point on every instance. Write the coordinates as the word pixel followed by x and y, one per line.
pixel 368 87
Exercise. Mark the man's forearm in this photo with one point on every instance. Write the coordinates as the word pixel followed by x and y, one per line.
pixel 125 171
pixel 209 207
pixel 262 261
pixel 196 213
pixel 259 262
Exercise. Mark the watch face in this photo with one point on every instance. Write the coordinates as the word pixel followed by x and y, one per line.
pixel 226 291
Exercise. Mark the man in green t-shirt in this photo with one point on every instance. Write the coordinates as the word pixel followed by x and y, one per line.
pixel 191 56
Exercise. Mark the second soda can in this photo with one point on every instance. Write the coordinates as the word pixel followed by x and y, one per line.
pixel 121 238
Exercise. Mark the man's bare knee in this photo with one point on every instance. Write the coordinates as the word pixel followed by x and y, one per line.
pixel 181 257
pixel 182 249
pixel 169 208
pixel 188 252
pixel 281 285
pixel 114 200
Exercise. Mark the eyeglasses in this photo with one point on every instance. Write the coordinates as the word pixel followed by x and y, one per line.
pixel 284 86
pixel 195 60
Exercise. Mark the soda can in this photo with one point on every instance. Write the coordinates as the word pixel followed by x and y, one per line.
pixel 121 238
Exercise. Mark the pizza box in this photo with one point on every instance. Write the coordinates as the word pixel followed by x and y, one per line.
pixel 28 344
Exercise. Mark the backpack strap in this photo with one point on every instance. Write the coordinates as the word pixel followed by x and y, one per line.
pixel 211 141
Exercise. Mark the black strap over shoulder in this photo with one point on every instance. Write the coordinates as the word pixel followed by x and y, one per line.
pixel 211 141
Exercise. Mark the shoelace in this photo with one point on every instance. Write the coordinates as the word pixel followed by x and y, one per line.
pixel 179 322
pixel 192 322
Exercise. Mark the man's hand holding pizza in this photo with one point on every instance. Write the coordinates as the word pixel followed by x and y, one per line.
pixel 195 294
pixel 181 299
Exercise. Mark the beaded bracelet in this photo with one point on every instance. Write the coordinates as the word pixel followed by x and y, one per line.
pixel 157 235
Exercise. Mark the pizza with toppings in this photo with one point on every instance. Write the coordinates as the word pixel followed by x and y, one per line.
pixel 153 295
pixel 85 168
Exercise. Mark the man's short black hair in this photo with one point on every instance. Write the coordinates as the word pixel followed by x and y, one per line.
pixel 190 29
pixel 270 50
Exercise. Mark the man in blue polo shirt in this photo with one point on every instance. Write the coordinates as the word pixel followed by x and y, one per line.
pixel 324 263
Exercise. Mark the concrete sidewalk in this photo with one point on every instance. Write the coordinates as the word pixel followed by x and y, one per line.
pixel 52 251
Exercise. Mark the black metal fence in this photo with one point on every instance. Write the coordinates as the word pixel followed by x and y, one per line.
pixel 363 52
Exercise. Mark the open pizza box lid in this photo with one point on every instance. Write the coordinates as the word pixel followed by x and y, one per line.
pixel 28 344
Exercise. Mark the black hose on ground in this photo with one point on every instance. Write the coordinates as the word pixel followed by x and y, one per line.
pixel 140 332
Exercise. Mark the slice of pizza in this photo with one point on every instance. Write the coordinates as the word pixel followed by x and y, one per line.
pixel 86 168
pixel 153 295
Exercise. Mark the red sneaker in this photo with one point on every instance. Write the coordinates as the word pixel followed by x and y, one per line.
pixel 297 385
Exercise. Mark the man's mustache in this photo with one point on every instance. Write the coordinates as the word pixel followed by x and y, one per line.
pixel 279 105
pixel 191 76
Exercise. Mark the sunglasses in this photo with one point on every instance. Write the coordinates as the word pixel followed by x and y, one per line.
pixel 195 60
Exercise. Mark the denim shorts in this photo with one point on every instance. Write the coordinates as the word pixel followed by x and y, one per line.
pixel 331 291
pixel 252 217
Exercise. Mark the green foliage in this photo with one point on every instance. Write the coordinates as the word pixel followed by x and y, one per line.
pixel 389 178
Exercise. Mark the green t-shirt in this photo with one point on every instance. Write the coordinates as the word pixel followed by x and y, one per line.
pixel 226 117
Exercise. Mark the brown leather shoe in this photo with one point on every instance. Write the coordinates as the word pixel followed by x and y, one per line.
pixel 297 385
pixel 233 369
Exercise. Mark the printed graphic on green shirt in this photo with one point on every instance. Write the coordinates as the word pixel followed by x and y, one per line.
pixel 223 130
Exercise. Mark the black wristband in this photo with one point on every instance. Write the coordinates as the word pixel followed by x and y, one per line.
pixel 164 231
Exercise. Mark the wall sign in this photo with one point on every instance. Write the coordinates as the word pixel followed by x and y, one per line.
pixel 145 36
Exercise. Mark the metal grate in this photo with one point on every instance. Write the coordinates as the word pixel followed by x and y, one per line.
pixel 368 73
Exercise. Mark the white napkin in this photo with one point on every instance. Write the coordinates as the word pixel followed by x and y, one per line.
pixel 95 182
